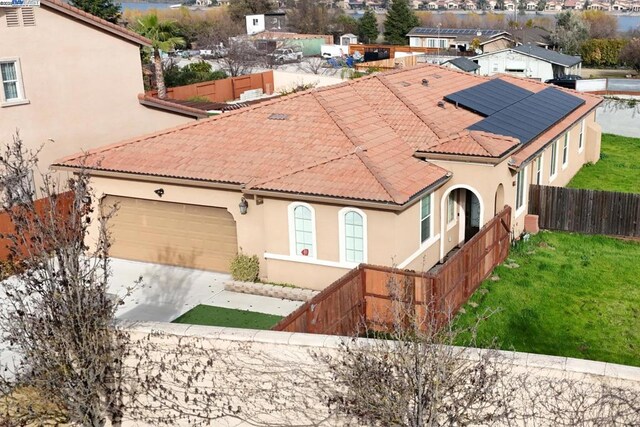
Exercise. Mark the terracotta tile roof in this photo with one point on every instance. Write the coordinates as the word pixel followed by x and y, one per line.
pixel 473 143
pixel 96 22
pixel 354 140
pixel 171 106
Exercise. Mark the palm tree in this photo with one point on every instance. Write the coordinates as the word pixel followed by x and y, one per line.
pixel 163 36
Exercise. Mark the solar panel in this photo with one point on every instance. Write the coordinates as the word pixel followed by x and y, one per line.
pixel 490 97
pixel 531 116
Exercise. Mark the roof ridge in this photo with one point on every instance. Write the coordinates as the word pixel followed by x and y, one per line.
pixel 357 142
pixel 435 128
pixel 96 21
pixel 480 143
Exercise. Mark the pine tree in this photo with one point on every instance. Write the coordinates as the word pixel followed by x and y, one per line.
pixel 400 20
pixel 104 9
pixel 368 27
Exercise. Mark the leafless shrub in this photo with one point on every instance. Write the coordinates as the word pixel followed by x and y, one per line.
pixel 242 57
pixel 313 65
pixel 416 376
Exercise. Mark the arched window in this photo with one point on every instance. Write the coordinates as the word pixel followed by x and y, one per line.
pixel 353 235
pixel 302 230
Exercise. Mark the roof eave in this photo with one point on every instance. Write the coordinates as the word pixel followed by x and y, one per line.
pixel 349 201
pixel 175 109
pixel 189 182
pixel 105 26
pixel 493 160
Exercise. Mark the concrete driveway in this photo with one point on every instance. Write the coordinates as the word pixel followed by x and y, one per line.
pixel 166 292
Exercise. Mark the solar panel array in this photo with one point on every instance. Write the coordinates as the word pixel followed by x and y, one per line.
pixel 490 97
pixel 455 31
pixel 527 118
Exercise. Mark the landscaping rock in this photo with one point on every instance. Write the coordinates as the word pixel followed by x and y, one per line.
pixel 494 278
pixel 268 290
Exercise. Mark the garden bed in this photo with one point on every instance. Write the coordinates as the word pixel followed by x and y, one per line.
pixel 208 315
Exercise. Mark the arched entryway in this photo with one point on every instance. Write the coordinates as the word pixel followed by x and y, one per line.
pixel 461 206
pixel 499 201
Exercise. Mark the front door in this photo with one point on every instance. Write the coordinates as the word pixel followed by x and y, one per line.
pixel 472 216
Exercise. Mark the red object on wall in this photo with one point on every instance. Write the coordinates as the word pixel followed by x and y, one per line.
pixel 305 252
pixel 531 224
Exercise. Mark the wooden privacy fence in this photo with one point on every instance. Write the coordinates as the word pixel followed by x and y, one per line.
pixel 222 90
pixel 42 206
pixel 366 295
pixel 586 211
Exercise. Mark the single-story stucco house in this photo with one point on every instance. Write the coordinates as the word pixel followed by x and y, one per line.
pixel 529 61
pixel 390 169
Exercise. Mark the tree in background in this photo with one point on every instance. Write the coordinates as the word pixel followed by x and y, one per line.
pixel 630 54
pixel 602 25
pixel 238 9
pixel 602 52
pixel 104 9
pixel 308 17
pixel 194 72
pixel 570 33
pixel 368 27
pixel 400 20
pixel 163 36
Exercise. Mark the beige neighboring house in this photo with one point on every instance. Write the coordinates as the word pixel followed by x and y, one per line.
pixel 395 168
pixel 71 82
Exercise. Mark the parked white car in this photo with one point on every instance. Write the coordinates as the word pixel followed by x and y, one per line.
pixel 281 56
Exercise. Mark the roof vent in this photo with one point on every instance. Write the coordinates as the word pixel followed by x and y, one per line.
pixel 405 84
pixel 436 76
pixel 425 82
pixel 278 116
pixel 441 104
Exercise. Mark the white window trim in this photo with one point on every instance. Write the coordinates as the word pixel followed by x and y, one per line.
pixel 567 140
pixel 342 235
pixel 309 260
pixel 292 231
pixel 431 215
pixel 555 174
pixel 540 165
pixel 452 223
pixel 20 84
pixel 581 137
pixel 522 208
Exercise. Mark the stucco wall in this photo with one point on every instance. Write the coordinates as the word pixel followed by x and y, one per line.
pixel 82 85
pixel 247 362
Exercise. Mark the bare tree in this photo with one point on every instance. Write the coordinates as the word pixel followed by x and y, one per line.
pixel 56 312
pixel 241 58
pixel 416 376
pixel 313 65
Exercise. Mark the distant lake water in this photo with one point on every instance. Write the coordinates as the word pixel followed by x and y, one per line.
pixel 625 22
pixel 145 6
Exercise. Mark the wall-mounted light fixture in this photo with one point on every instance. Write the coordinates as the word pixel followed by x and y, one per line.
pixel 159 192
pixel 243 206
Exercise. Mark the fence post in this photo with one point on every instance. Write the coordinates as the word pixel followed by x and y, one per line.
pixel 363 279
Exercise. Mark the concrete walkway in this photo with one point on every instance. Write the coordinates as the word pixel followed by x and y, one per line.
pixel 166 292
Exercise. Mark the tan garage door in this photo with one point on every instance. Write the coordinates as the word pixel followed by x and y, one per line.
pixel 173 233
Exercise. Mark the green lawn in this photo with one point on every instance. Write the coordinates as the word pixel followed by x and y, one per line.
pixel 617 170
pixel 573 295
pixel 217 316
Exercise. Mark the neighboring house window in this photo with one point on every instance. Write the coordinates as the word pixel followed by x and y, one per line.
pixel 553 170
pixel 353 235
pixel 425 218
pixel 520 189
pixel 580 139
pixel 12 90
pixel 539 170
pixel 302 229
pixel 451 207
pixel 565 151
